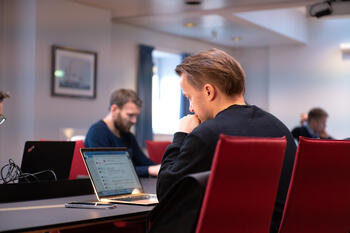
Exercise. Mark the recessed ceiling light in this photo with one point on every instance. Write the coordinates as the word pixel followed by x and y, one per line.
pixel 345 46
pixel 190 25
pixel 192 2
pixel 236 38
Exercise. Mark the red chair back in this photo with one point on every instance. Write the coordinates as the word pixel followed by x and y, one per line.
pixel 318 199
pixel 78 167
pixel 242 186
pixel 156 149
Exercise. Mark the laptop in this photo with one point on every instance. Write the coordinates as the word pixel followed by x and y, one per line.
pixel 46 160
pixel 114 177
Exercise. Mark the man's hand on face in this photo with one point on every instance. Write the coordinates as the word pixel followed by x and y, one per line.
pixel 324 134
pixel 153 170
pixel 188 123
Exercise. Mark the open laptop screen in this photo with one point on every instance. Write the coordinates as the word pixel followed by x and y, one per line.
pixel 42 156
pixel 112 172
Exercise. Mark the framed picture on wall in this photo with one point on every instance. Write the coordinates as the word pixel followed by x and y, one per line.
pixel 73 72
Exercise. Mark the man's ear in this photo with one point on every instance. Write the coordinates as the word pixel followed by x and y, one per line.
pixel 113 108
pixel 210 91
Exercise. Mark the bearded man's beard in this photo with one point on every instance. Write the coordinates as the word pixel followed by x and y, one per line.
pixel 123 126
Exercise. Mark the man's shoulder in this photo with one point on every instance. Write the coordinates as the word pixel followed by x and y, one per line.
pixel 299 129
pixel 98 125
pixel 98 135
pixel 242 120
pixel 246 120
pixel 229 115
pixel 269 118
pixel 248 113
pixel 97 128
pixel 260 112
pixel 245 112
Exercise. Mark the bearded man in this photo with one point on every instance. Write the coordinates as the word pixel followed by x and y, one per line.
pixel 114 130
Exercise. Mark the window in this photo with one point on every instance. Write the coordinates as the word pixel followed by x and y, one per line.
pixel 165 92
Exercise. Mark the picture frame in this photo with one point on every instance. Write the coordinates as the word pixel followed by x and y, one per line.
pixel 73 72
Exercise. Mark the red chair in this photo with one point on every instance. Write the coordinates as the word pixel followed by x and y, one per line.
pixel 242 186
pixel 156 149
pixel 78 168
pixel 318 199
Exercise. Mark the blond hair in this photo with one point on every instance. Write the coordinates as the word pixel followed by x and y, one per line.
pixel 216 67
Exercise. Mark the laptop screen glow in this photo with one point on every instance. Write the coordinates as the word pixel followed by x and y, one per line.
pixel 112 172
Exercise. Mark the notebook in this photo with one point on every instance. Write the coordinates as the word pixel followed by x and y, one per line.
pixel 114 177
pixel 46 160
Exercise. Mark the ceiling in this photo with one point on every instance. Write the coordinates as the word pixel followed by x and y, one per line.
pixel 234 23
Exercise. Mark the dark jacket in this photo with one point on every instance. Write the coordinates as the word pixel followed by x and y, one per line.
pixel 192 153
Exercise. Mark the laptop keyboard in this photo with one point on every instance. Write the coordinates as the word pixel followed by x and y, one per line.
pixel 134 198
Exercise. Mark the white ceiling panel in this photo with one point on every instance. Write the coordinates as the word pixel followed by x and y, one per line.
pixel 216 21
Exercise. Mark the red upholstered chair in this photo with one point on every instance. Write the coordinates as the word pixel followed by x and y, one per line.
pixel 318 199
pixel 242 186
pixel 156 149
pixel 78 168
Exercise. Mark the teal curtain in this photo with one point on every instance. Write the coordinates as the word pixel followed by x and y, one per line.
pixel 144 89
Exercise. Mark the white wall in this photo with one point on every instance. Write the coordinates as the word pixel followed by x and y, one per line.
pixel 125 41
pixel 285 80
pixel 290 80
pixel 318 74
pixel 76 26
pixel 293 25
pixel 255 63
pixel 29 30
pixel 17 75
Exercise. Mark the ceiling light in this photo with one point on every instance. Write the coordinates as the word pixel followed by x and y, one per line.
pixel 236 38
pixel 345 47
pixel 190 25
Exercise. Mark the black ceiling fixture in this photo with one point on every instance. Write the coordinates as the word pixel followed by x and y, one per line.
pixel 193 2
pixel 326 7
pixel 321 9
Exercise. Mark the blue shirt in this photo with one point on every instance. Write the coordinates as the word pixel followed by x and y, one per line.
pixel 99 135
pixel 311 132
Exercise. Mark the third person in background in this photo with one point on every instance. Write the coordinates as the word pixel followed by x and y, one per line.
pixel 315 126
